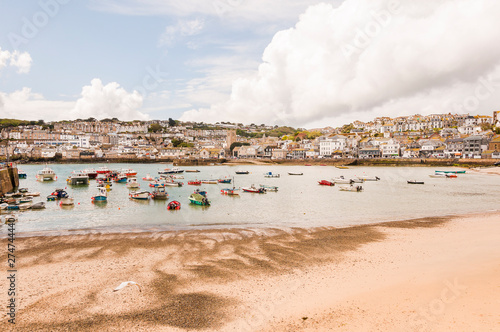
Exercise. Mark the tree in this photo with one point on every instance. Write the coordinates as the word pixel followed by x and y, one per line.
pixel 171 122
pixel 154 128
pixel 236 144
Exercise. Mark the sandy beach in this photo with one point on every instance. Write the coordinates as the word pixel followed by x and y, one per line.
pixel 433 274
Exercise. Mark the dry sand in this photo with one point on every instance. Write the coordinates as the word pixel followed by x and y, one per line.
pixel 435 274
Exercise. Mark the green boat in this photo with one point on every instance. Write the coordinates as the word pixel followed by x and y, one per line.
pixel 451 172
pixel 199 199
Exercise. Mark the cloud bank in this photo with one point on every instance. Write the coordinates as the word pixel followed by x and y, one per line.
pixel 370 57
pixel 22 61
pixel 97 100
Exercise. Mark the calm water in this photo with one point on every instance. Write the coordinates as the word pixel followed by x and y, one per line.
pixel 300 201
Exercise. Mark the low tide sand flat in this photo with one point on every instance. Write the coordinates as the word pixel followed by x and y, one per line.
pixel 387 276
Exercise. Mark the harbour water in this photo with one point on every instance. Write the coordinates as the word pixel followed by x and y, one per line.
pixel 299 202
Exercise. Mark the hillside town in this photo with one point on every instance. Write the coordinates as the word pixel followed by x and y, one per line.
pixel 416 136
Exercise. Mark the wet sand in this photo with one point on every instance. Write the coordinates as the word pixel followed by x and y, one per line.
pixel 433 274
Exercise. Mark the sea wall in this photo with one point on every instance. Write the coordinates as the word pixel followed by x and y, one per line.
pixel 9 179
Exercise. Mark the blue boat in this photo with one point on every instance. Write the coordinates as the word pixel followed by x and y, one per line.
pixel 101 197
pixel 21 174
pixel 224 180
pixel 199 192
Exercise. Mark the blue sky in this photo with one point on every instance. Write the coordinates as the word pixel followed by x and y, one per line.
pixel 296 62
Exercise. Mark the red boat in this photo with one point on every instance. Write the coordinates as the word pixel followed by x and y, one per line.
pixel 103 170
pixel 326 183
pixel 91 173
pixel 174 205
pixel 129 172
pixel 195 183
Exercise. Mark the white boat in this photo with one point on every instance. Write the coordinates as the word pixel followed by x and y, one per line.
pixel 351 188
pixel 342 180
pixel 78 178
pixel 269 188
pixel 174 170
pixel 438 175
pixel 132 183
pixel 358 180
pixel 271 175
pixel 34 194
pixel 67 201
pixel 46 174
pixel 177 177
pixel 38 206
pixel 369 178
pixel 148 177
pixel 142 195
pixel 209 181
pixel 25 206
pixel 173 184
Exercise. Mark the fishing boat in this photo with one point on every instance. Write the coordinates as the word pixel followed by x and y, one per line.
pixel 157 184
pixel 103 170
pixel 342 180
pixel 121 178
pixel 140 195
pixel 198 199
pixel 326 183
pixel 132 183
pixel 148 178
pixel 351 188
pixel 201 192
pixel 175 170
pixel 26 199
pixel 60 193
pixel 368 178
pixel 194 183
pixel 46 174
pixel 173 184
pixel 177 176
pixel 21 174
pixel 229 191
pixel 224 180
pixel 295 173
pixel 51 197
pixel 38 206
pixel 342 167
pixel 90 172
pixel 451 172
pixel 271 175
pixel 159 193
pixel 24 206
pixel 102 196
pixel 174 205
pixel 67 201
pixel 209 181
pixel 23 190
pixel 242 172
pixel 192 171
pixel 442 176
pixel 33 193
pixel 253 189
pixel 105 185
pixel 129 172
pixel 78 178
pixel 415 182
pixel 269 188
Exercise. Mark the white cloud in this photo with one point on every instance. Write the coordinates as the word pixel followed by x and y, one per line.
pixel 183 28
pixel 108 101
pixel 97 100
pixel 366 56
pixel 16 59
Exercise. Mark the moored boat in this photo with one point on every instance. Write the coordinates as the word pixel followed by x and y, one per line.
pixel 451 172
pixel 148 177
pixel 121 178
pixel 102 196
pixel 271 175
pixel 367 178
pixel 192 171
pixel 38 206
pixel 140 195
pixel 229 191
pixel 194 183
pixel 269 188
pixel 224 180
pixel 159 193
pixel 174 205
pixel 295 173
pixel 129 172
pixel 103 170
pixel 342 180
pixel 198 199
pixel 132 183
pixel 67 201
pixel 326 183
pixel 60 193
pixel 78 178
pixel 242 172
pixel 90 172
pixel 157 184
pixel 351 188
pixel 209 181
pixel 46 174
pixel 415 182
pixel 342 167
pixel 253 189
pixel 21 174
pixel 175 170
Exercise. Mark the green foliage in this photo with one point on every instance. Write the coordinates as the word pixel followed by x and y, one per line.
pixel 171 122
pixel 6 123
pixel 154 128
pixel 236 144
pixel 347 128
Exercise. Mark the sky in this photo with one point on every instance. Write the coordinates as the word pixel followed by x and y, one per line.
pixel 302 63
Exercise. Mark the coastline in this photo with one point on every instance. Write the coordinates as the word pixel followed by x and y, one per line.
pixel 263 279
